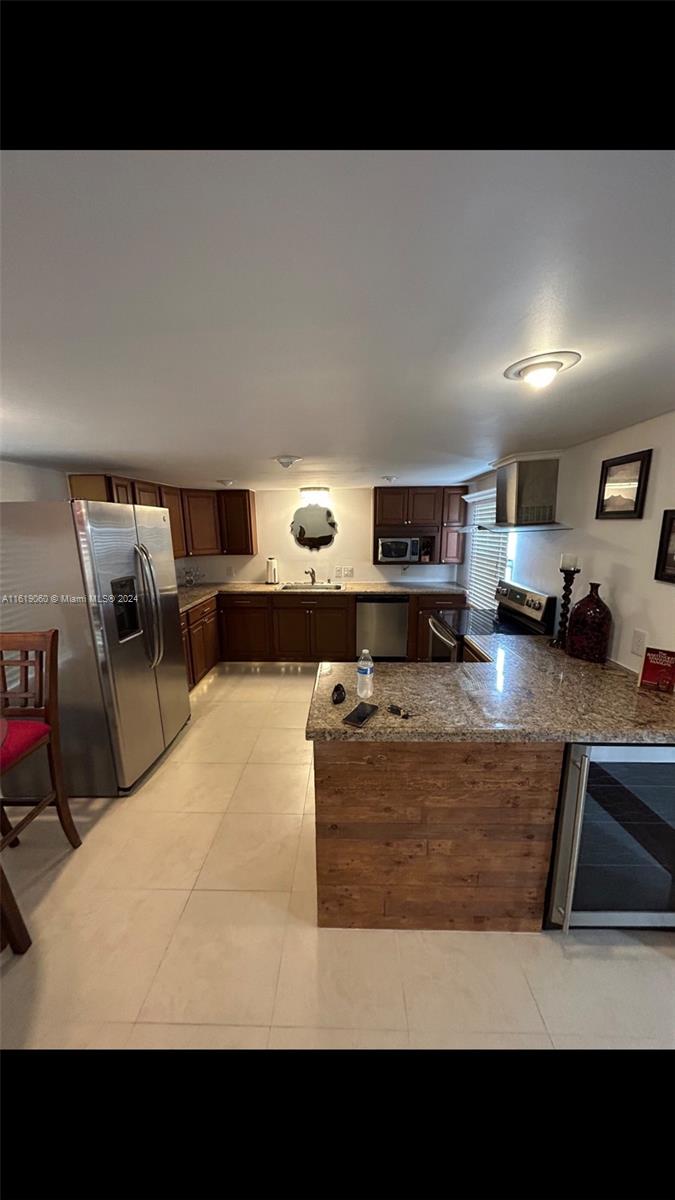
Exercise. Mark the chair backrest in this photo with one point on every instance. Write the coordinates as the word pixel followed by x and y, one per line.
pixel 28 675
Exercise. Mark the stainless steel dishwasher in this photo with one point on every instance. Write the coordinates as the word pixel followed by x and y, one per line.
pixel 382 625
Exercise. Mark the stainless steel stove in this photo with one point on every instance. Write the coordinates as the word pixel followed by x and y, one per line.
pixel 520 611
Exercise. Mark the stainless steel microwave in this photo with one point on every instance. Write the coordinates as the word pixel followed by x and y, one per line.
pixel 398 549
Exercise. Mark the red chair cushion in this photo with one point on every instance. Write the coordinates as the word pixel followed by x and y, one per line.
pixel 20 736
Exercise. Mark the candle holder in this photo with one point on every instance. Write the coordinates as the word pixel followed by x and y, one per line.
pixel 560 640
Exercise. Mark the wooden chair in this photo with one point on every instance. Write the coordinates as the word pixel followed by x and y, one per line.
pixel 29 717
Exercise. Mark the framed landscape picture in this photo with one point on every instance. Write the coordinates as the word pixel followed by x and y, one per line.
pixel 665 560
pixel 623 486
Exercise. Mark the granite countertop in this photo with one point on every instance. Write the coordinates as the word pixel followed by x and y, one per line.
pixel 189 596
pixel 527 693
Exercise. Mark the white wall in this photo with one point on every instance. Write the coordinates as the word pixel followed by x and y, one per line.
pixel 353 511
pixel 620 555
pixel 23 481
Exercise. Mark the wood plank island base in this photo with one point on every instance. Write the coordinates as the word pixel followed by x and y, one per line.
pixel 427 835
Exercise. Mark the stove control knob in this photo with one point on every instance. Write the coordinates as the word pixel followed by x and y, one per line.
pixel 536 604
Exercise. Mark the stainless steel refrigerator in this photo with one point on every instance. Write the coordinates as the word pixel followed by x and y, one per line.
pixel 104 576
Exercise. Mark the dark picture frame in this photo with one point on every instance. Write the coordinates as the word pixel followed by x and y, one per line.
pixel 665 559
pixel 623 487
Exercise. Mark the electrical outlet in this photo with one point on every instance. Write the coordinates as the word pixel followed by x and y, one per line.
pixel 347 572
pixel 639 643
pixel 338 572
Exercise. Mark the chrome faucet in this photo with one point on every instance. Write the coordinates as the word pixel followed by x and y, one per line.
pixel 312 574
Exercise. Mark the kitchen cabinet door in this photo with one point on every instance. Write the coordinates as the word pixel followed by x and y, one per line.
pixel 146 493
pixel 454 506
pixel 452 546
pixel 425 506
pixel 185 636
pixel 211 640
pixel 391 506
pixel 89 487
pixel 169 497
pixel 291 633
pixel 238 531
pixel 202 532
pixel 121 490
pixel 198 651
pixel 333 633
pixel 245 632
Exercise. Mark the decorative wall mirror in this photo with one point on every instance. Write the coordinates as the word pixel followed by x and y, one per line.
pixel 313 525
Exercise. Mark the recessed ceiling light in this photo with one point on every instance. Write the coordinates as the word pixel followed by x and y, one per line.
pixel 287 460
pixel 541 369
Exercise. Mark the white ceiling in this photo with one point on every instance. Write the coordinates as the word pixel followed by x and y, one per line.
pixel 189 315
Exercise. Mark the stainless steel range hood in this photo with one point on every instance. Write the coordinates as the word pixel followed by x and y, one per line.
pixel 526 497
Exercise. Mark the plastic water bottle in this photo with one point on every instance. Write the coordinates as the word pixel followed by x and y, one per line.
pixel 364 676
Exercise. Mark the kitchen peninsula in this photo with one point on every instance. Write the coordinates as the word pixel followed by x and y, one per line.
pixel 446 820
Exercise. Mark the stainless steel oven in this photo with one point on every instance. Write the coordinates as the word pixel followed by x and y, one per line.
pixel 398 549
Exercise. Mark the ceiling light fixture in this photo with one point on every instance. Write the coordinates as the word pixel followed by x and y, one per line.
pixel 315 495
pixel 287 460
pixel 225 482
pixel 541 369
pixel 390 478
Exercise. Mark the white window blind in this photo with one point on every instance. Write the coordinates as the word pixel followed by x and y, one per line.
pixel 487 557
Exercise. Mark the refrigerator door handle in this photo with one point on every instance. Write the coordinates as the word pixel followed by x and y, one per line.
pixel 158 608
pixel 148 596
pixel 580 803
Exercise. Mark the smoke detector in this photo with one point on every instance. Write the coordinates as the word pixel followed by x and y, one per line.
pixel 287 460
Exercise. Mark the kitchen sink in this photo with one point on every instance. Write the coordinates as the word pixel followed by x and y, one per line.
pixel 312 587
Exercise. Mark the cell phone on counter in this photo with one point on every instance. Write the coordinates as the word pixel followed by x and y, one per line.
pixel 359 715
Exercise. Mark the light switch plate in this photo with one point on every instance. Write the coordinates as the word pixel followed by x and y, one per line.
pixel 338 572
pixel 639 643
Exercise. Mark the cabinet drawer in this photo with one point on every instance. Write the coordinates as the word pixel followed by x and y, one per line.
pixel 245 600
pixel 307 600
pixel 201 610
pixel 451 600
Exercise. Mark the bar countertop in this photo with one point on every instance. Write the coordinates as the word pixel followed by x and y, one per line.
pixel 529 692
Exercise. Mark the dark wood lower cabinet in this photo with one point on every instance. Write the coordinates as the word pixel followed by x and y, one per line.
pixel 203 640
pixel 291 633
pixel 185 636
pixel 198 652
pixel 334 633
pixel 245 633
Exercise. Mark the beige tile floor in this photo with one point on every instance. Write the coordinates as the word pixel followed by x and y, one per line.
pixel 187 920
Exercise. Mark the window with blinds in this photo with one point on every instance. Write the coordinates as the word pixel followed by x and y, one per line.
pixel 487 556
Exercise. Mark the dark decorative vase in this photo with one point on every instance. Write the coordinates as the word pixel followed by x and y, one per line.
pixel 589 626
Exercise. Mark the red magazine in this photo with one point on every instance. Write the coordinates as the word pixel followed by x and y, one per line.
pixel 658 671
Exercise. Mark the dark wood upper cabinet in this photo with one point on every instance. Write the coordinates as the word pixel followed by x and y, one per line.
pixel 202 530
pixel 425 506
pixel 391 506
pixel 89 487
pixel 418 507
pixel 121 490
pixel 170 497
pixel 454 506
pixel 452 545
pixel 238 532
pixel 146 493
